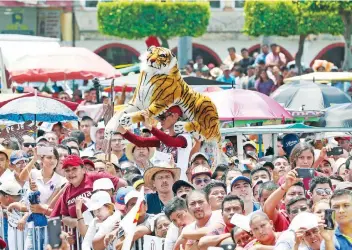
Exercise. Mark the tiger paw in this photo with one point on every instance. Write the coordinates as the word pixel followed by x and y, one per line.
pixel 179 127
pixel 125 121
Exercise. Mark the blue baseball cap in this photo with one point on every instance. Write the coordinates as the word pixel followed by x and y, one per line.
pixel 241 178
pixel 120 196
pixel 289 141
pixel 17 156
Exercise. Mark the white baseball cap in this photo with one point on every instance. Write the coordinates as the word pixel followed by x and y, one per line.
pixel 103 184
pixel 132 194
pixel 98 200
pixel 241 221
pixel 11 188
pixel 304 219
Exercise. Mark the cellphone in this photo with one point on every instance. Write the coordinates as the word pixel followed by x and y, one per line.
pixel 305 172
pixel 45 151
pixel 335 151
pixel 329 218
pixel 54 232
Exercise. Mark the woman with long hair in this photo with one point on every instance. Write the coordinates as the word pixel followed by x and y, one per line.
pixel 264 84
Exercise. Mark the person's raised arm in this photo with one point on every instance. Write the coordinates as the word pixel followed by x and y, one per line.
pixel 274 199
pixel 139 141
pixel 24 175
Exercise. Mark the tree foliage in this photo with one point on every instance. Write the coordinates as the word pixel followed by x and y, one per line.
pixel 342 9
pixel 139 19
pixel 286 18
pixel 269 18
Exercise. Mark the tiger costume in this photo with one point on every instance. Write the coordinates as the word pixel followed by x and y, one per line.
pixel 160 87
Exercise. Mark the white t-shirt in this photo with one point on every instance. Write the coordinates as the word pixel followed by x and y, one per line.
pixel 171 237
pixel 6 176
pixel 215 218
pixel 183 156
pixel 46 189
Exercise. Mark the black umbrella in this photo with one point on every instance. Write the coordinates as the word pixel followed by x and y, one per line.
pixel 193 80
pixel 305 95
pixel 338 116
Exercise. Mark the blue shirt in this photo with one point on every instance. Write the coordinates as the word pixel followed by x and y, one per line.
pixel 260 57
pixel 123 158
pixel 155 206
pixel 222 78
pixel 340 241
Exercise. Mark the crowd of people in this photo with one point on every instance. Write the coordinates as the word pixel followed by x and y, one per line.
pixel 190 201
pixel 263 72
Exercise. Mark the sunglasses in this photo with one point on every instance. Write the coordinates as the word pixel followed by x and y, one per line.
pixel 29 144
pixel 199 181
pixel 163 117
pixel 322 191
pixel 297 210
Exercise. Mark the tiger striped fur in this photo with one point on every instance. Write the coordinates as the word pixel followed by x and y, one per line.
pixel 160 87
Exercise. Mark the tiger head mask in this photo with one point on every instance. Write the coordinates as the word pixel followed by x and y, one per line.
pixel 158 60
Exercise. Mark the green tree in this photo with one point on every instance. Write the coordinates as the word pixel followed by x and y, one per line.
pixel 288 18
pixel 343 9
pixel 140 19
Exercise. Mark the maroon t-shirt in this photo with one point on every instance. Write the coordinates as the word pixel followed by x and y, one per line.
pixel 282 222
pixel 67 202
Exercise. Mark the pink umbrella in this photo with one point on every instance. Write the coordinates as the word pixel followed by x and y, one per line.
pixel 207 89
pixel 64 63
pixel 239 105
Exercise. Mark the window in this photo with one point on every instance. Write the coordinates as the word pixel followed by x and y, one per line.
pixel 91 3
pixel 117 56
pixel 239 3
pixel 215 4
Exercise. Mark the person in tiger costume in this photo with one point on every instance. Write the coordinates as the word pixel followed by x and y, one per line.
pixel 160 87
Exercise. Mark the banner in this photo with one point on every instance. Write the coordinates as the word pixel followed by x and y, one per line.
pixel 18 131
pixel 153 243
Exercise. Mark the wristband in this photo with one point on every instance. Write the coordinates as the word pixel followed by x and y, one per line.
pixel 79 219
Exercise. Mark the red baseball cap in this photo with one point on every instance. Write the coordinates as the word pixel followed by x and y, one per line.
pixel 72 161
pixel 175 110
pixel 88 162
pixel 342 138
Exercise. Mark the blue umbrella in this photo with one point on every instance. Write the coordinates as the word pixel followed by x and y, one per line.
pixel 36 108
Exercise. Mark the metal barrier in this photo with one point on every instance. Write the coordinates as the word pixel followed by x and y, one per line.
pixel 35 238
pixel 78 239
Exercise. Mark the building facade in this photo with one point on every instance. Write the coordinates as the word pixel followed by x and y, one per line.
pixel 55 19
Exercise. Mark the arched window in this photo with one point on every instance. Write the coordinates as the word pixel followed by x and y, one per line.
pixel 257 48
pixel 118 54
pixel 209 56
pixel 334 53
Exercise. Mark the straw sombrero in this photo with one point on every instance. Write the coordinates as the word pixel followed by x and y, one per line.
pixel 6 151
pixel 103 156
pixel 163 166
pixel 129 152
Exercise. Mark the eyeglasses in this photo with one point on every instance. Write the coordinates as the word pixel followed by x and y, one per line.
pixel 28 144
pixel 199 181
pixel 297 210
pixel 163 116
pixel 323 191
